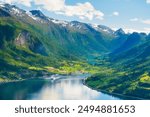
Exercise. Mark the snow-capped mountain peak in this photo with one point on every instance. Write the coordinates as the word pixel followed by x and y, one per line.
pixel 38 13
pixel 38 16
pixel 119 32
pixel 101 28
pixel 12 9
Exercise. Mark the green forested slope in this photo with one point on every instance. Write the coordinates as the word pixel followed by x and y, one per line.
pixel 131 75
pixel 36 46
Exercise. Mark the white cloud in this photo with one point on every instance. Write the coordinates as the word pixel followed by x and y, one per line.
pixel 85 10
pixel 147 30
pixel 24 2
pixel 82 10
pixel 146 21
pixel 50 5
pixel 130 30
pixel 116 13
pixel 134 19
pixel 148 1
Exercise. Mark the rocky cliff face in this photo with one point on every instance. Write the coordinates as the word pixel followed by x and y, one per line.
pixel 26 40
pixel 22 39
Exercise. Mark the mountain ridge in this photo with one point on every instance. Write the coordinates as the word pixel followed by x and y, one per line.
pixel 31 44
pixel 34 45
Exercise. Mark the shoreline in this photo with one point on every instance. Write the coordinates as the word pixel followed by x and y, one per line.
pixel 121 96
pixel 117 95
pixel 40 77
pixel 113 94
pixel 12 81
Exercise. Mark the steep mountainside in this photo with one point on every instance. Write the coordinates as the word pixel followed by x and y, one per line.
pixel 133 40
pixel 130 73
pixel 32 43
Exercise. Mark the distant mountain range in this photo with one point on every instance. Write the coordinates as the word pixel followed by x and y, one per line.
pixel 30 40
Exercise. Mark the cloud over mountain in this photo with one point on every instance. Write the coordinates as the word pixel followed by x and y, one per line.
pixel 146 21
pixel 82 10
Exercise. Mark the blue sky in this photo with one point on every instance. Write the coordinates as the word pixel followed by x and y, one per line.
pixel 131 15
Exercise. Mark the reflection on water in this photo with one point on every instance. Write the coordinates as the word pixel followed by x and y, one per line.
pixel 69 87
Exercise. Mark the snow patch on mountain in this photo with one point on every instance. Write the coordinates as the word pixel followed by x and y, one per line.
pixel 30 15
pixel 102 28
pixel 15 10
pixel 2 4
pixel 95 26
pixel 61 22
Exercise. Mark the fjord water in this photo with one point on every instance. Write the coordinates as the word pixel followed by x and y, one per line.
pixel 66 87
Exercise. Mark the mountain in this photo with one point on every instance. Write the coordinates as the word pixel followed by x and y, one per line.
pixel 102 28
pixel 36 19
pixel 136 63
pixel 56 36
pixel 135 56
pixel 38 13
pixel 119 32
pixel 32 44
pixel 132 40
pixel 128 72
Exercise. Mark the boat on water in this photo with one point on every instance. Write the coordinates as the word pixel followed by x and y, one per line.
pixel 55 77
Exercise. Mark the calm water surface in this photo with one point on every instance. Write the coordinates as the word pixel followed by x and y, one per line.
pixel 67 87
